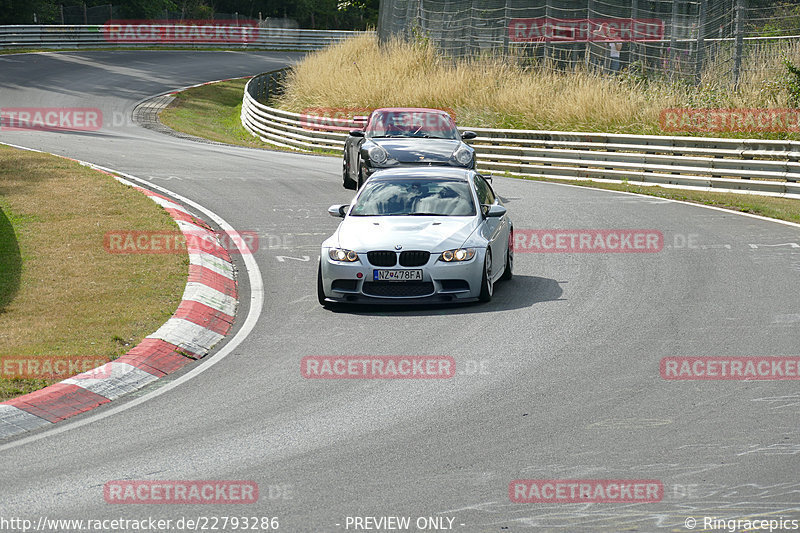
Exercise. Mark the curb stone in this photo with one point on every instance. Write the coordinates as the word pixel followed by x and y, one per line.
pixel 203 318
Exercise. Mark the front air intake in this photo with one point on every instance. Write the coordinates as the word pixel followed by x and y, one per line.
pixel 382 258
pixel 414 258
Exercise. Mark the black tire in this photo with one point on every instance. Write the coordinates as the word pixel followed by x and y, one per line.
pixel 320 291
pixel 347 181
pixel 487 287
pixel 508 273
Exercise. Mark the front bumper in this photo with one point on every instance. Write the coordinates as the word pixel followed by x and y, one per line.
pixel 441 282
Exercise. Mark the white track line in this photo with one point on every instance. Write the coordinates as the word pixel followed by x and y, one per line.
pixel 257 295
pixel 652 196
pixel 253 313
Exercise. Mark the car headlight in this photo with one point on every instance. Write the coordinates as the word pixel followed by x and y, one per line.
pixel 459 254
pixel 339 254
pixel 377 154
pixel 463 155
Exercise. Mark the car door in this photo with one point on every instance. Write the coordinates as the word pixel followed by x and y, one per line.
pixel 495 230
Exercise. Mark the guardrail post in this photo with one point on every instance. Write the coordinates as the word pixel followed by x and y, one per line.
pixel 673 38
pixel 547 44
pixel 701 29
pixel 739 29
pixel 634 53
pixel 589 9
pixel 270 83
pixel 506 29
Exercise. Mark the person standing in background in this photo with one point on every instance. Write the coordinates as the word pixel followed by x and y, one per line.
pixel 614 49
pixel 614 52
pixel 606 34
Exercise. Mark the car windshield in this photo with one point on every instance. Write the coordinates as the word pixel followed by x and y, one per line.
pixel 426 124
pixel 414 197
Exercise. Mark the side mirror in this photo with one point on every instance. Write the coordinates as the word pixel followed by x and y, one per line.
pixel 466 135
pixel 338 211
pixel 493 211
pixel 356 133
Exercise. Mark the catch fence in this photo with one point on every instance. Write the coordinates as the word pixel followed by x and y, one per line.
pixel 679 39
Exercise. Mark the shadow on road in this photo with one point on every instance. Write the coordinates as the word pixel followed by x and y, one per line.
pixel 517 293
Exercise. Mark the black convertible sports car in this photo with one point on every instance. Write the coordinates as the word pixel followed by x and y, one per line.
pixel 397 137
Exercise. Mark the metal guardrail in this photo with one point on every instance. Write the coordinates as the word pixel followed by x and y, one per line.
pixel 770 166
pixel 267 84
pixel 41 36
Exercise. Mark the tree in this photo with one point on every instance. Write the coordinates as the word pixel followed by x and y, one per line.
pixel 145 9
pixel 317 14
pixel 22 11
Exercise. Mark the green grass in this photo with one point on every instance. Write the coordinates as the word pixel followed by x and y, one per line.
pixel 214 112
pixel 61 292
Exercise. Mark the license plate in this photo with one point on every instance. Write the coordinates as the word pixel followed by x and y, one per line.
pixel 397 275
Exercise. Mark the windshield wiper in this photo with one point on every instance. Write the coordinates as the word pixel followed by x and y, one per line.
pixel 425 215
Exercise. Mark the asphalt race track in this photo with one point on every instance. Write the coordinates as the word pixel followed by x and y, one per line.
pixel 557 378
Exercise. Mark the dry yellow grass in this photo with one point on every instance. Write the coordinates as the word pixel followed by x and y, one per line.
pixel 61 293
pixel 492 92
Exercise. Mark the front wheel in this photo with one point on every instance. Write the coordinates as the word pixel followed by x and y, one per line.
pixel 348 182
pixel 320 290
pixel 487 287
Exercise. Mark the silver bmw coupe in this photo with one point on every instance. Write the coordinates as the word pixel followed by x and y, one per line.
pixel 417 235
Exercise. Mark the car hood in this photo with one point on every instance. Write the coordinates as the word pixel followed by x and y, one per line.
pixel 418 150
pixel 434 234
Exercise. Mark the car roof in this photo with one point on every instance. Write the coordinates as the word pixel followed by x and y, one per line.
pixel 427 109
pixel 448 173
